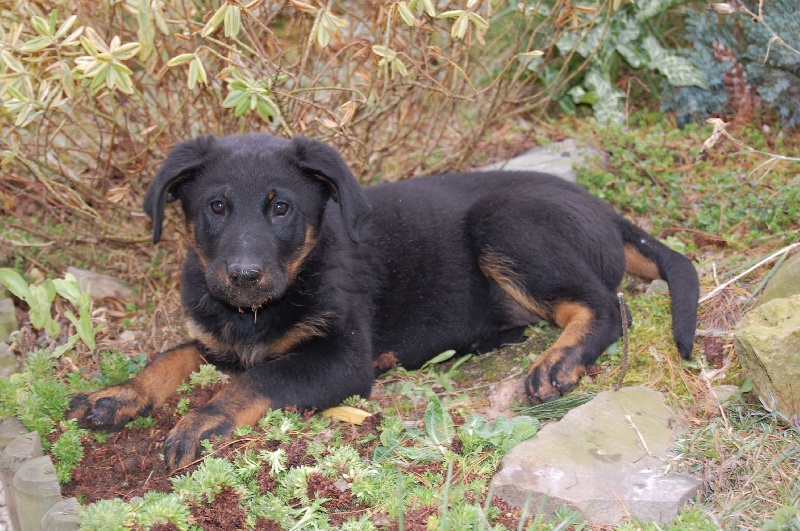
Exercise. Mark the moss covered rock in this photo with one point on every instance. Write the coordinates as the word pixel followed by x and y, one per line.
pixel 785 282
pixel 767 341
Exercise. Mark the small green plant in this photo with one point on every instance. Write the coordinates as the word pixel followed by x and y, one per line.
pixel 116 367
pixel 34 396
pixel 163 508
pixel 40 298
pixel 207 375
pixel 107 515
pixel 67 450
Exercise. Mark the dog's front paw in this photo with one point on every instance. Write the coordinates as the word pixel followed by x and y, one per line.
pixel 551 376
pixel 183 442
pixel 109 409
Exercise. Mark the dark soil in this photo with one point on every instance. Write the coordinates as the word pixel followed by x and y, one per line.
pixel 130 462
pixel 222 513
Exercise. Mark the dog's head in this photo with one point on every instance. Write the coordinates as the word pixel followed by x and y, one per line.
pixel 254 205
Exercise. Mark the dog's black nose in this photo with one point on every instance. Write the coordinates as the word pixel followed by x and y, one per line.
pixel 244 275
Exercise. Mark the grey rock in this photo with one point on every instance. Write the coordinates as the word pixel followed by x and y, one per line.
pixel 10 429
pixel 785 282
pixel 8 319
pixel 101 286
pixel 767 341
pixel 8 361
pixel 606 458
pixel 557 159
pixel 62 516
pixel 37 490
pixel 720 395
pixel 19 452
pixel 658 287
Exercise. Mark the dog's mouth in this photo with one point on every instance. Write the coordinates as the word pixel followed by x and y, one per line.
pixel 244 300
pixel 253 310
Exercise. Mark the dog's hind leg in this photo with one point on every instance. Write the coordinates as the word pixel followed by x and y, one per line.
pixel 587 332
pixel 586 310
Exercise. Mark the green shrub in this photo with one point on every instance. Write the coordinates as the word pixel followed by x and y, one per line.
pixel 744 58
pixel 597 43
pixel 94 94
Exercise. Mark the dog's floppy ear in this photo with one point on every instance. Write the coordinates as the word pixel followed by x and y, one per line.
pixel 324 162
pixel 180 165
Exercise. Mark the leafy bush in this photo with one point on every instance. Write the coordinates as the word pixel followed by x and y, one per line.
pixel 40 299
pixel 596 41
pixel 94 94
pixel 743 57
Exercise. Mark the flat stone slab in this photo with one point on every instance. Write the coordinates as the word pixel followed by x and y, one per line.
pixel 557 159
pixel 606 459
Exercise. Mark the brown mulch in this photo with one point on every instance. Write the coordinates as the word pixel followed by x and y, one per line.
pixel 130 463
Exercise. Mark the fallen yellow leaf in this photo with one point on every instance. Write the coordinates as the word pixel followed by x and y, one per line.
pixel 349 414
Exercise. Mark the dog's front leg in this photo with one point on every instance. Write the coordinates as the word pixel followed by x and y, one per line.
pixel 111 408
pixel 235 405
pixel 317 376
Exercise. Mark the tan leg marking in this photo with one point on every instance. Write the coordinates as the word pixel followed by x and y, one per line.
pixel 235 405
pixel 639 264
pixel 500 269
pixel 576 319
pixel 111 408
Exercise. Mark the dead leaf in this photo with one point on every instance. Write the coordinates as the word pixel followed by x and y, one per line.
pixel 349 414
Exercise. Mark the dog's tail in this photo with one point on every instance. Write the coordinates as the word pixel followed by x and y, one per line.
pixel 647 257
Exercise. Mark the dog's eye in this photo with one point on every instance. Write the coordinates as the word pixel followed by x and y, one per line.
pixel 280 208
pixel 217 207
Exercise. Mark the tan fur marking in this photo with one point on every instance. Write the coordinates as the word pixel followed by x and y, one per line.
pixel 233 404
pixel 250 355
pixel 160 379
pixel 207 339
pixel 316 326
pixel 500 269
pixel 300 256
pixel 149 389
pixel 193 244
pixel 240 405
pixel 640 265
pixel 575 319
pixel 246 408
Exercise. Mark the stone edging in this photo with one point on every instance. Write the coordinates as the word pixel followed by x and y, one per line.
pixel 32 491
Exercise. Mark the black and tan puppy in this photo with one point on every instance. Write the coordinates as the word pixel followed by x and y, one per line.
pixel 299 278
